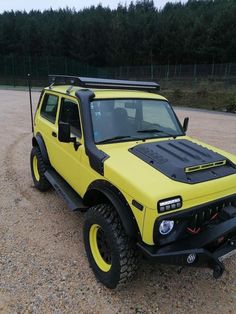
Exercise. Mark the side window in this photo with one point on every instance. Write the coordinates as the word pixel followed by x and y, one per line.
pixel 70 114
pixel 49 107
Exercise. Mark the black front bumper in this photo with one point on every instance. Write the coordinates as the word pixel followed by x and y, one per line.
pixel 209 247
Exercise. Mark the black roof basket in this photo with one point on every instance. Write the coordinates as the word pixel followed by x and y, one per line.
pixel 88 82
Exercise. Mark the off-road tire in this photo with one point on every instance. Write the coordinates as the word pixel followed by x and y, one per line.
pixel 37 171
pixel 124 255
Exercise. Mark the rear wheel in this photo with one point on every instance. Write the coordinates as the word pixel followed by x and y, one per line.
pixel 111 253
pixel 38 169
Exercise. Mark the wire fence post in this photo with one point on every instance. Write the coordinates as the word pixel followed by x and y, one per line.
pixel 66 66
pixel 87 69
pixel 13 70
pixel 48 65
pixel 29 64
pixel 127 72
pixel 151 71
pixel 194 74
pixel 195 71
pixel 175 71
pixel 120 71
pixel 4 66
pixel 212 69
pixel 24 66
pixel 168 71
pixel 229 69
pixel 226 70
pixel 31 105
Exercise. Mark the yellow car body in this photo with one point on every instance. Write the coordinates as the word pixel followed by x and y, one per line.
pixel 130 175
pixel 136 185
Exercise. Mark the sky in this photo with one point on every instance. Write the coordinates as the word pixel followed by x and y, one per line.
pixel 8 5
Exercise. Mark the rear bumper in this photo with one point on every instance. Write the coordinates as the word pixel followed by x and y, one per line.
pixel 200 250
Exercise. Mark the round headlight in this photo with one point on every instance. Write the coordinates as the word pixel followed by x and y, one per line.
pixel 166 227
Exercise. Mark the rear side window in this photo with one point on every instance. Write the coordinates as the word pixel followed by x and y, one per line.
pixel 49 107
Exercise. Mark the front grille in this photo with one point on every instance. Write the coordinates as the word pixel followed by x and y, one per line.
pixel 206 216
pixel 195 220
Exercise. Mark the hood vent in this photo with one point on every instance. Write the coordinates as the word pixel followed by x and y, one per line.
pixel 205 166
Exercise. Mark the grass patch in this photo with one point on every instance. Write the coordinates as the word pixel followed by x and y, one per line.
pixel 211 96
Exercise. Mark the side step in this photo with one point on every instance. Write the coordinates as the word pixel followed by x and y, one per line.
pixel 73 200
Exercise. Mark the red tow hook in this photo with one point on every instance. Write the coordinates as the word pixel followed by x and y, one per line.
pixel 214 216
pixel 197 230
pixel 220 240
pixel 194 231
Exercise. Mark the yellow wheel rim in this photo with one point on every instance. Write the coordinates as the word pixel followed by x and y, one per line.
pixel 35 168
pixel 102 262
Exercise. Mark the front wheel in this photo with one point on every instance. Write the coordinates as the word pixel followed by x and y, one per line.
pixel 111 253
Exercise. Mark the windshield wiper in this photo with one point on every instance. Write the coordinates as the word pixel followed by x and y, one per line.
pixel 115 138
pixel 155 131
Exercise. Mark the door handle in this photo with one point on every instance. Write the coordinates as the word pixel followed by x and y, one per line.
pixel 54 134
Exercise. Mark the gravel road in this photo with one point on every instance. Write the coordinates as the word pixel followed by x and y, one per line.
pixel 43 267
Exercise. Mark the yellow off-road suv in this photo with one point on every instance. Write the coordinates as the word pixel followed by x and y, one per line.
pixel 116 150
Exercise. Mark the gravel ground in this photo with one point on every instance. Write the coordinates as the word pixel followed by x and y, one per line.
pixel 43 267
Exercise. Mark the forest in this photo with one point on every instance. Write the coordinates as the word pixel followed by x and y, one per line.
pixel 202 31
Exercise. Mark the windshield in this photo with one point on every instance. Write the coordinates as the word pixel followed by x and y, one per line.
pixel 127 119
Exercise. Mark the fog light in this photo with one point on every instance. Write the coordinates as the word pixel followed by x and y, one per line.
pixel 166 227
pixel 191 258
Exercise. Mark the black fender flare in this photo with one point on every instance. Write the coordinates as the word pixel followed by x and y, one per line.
pixel 38 141
pixel 102 190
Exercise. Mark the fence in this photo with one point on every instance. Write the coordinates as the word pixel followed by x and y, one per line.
pixel 14 70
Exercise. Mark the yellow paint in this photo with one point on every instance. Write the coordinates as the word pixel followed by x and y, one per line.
pixel 35 168
pixel 148 186
pixel 101 263
pixel 133 177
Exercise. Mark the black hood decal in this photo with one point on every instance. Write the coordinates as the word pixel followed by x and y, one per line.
pixel 184 161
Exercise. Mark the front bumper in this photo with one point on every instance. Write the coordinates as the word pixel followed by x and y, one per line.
pixel 209 247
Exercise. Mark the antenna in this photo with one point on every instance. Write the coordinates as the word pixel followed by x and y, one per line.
pixel 31 107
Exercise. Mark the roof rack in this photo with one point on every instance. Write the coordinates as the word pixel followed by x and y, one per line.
pixel 88 82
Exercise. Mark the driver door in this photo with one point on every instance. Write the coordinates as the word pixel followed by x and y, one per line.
pixel 68 158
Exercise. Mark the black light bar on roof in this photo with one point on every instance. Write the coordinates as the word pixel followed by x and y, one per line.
pixel 102 83
pixel 64 80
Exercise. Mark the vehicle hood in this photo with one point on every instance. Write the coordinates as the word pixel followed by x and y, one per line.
pixel 159 169
pixel 184 161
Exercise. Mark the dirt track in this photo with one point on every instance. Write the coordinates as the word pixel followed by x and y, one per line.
pixel 43 267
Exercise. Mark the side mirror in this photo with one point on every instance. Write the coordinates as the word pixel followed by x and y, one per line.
pixel 64 132
pixel 185 124
pixel 64 135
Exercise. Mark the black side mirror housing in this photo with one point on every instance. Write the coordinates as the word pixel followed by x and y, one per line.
pixel 64 135
pixel 185 124
pixel 64 132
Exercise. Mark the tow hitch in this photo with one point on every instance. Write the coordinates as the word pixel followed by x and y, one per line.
pixel 219 268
